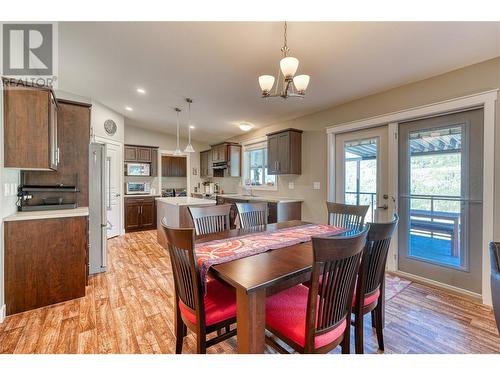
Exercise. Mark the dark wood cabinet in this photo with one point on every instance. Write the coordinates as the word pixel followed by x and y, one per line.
pixel 206 163
pixel 140 213
pixel 284 152
pixel 219 153
pixel 229 155
pixel 53 271
pixel 30 128
pixel 173 166
pixel 140 154
pixel 154 163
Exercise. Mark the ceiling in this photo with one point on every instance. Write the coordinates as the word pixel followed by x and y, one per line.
pixel 217 64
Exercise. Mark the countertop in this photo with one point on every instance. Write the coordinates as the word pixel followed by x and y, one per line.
pixel 49 214
pixel 261 198
pixel 141 195
pixel 186 201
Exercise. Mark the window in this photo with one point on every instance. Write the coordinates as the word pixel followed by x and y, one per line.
pixel 255 167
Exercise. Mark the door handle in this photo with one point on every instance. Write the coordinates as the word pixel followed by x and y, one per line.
pixel 384 207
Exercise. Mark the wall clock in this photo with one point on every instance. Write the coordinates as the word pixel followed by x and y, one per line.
pixel 110 127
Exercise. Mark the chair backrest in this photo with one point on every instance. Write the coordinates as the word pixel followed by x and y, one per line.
pixel 210 219
pixel 337 259
pixel 372 270
pixel 252 214
pixel 188 288
pixel 346 215
pixel 495 257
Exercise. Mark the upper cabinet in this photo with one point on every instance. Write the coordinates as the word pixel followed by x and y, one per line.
pixel 172 166
pixel 226 160
pixel 219 153
pixel 206 163
pixel 142 154
pixel 284 152
pixel 30 128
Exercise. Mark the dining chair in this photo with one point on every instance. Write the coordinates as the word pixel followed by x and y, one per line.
pixel 252 214
pixel 201 312
pixel 210 219
pixel 317 319
pixel 495 280
pixel 369 292
pixel 346 215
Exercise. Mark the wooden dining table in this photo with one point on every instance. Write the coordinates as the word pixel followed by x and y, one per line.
pixel 258 276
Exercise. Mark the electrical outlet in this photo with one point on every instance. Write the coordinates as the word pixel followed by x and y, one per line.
pixel 291 185
pixel 316 185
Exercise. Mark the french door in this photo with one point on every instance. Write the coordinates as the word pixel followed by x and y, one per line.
pixel 361 171
pixel 440 199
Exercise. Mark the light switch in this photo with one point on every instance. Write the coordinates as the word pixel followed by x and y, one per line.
pixel 316 185
pixel 291 185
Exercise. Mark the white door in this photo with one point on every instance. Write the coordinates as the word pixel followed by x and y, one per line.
pixel 113 195
pixel 361 171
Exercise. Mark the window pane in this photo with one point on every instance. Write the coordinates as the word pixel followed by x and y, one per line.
pixel 255 171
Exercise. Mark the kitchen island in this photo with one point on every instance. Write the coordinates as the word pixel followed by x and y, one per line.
pixel 175 212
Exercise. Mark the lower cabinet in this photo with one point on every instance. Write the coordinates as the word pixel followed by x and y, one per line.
pixel 53 271
pixel 140 213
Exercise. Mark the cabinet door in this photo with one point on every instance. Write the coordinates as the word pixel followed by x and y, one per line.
pixel 272 154
pixel 203 164
pixel 272 212
pixel 144 154
pixel 148 215
pixel 132 215
pixel 182 167
pixel 153 172
pixel 130 153
pixel 283 153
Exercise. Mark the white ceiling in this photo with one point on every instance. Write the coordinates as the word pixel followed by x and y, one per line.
pixel 217 64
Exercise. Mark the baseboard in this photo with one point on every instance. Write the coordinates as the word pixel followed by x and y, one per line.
pixel 2 313
pixel 449 288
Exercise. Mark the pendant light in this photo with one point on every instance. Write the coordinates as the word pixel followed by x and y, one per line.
pixel 177 151
pixel 189 147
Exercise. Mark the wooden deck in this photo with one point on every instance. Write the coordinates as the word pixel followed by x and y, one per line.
pixel 129 310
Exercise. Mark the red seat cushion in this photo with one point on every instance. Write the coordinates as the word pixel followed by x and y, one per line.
pixel 367 300
pixel 286 313
pixel 220 304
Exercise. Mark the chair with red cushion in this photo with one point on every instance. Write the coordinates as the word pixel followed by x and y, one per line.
pixel 317 319
pixel 369 294
pixel 201 312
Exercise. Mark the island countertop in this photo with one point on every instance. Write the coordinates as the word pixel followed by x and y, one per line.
pixel 185 201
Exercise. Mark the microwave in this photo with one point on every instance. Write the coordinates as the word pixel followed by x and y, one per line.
pixel 138 169
pixel 138 188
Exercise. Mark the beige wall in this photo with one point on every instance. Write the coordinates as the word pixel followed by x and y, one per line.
pixel 464 81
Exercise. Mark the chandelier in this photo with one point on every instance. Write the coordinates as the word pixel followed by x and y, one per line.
pixel 292 86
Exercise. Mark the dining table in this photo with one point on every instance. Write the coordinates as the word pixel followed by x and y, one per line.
pixel 257 276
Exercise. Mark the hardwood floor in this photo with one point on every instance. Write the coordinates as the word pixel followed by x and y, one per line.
pixel 129 310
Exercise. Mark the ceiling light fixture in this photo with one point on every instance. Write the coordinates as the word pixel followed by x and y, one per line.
pixel 130 109
pixel 141 91
pixel 189 147
pixel 177 151
pixel 293 86
pixel 245 126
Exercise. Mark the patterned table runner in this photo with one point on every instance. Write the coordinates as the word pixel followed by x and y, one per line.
pixel 222 251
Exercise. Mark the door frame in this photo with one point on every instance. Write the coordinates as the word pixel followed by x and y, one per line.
pixel 104 140
pixel 485 100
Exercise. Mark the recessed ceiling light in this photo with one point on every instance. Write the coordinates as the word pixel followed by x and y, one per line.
pixel 141 91
pixel 245 126
pixel 130 109
pixel 191 127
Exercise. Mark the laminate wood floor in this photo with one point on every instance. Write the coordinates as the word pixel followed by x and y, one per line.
pixel 129 309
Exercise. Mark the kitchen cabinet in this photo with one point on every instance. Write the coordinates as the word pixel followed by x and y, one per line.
pixel 284 152
pixel 53 271
pixel 140 154
pixel 226 159
pixel 140 213
pixel 30 128
pixel 206 164
pixel 154 163
pixel 173 166
pixel 219 153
